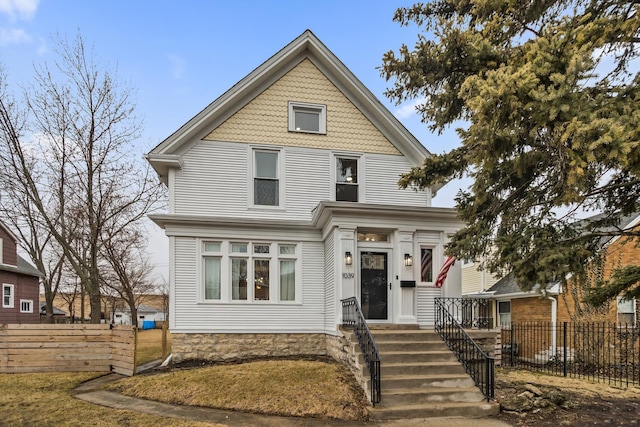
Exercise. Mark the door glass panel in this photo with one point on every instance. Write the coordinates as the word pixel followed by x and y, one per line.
pixel 373 285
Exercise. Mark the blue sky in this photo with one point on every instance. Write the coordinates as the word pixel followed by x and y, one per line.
pixel 180 56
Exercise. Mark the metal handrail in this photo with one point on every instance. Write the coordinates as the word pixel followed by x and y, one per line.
pixel 352 318
pixel 478 364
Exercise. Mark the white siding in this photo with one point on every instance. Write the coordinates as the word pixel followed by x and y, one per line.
pixel 255 317
pixel 426 307
pixel 381 182
pixel 330 286
pixel 215 181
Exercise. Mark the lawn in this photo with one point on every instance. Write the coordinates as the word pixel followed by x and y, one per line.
pixel 149 347
pixel 304 388
pixel 47 400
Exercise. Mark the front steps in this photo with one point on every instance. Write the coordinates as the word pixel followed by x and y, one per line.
pixel 421 378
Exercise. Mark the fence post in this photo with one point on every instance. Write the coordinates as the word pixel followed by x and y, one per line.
pixel 564 356
pixel 512 342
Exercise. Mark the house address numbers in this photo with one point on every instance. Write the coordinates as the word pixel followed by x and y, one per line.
pixel 347 275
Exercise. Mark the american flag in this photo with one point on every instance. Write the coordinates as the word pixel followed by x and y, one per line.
pixel 442 275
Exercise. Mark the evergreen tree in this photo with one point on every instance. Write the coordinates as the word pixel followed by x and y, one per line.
pixel 547 93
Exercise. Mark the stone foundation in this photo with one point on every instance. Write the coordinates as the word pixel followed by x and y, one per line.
pixel 227 347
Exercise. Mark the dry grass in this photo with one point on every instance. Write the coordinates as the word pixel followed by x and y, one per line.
pixel 47 400
pixel 301 388
pixel 582 386
pixel 150 345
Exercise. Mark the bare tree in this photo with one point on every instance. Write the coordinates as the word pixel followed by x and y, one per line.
pixel 71 155
pixel 127 270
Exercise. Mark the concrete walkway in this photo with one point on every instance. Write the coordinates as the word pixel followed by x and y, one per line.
pixel 90 392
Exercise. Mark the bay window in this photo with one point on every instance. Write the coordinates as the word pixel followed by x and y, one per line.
pixel 252 271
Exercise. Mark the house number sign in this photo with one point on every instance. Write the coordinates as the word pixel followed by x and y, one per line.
pixel 347 275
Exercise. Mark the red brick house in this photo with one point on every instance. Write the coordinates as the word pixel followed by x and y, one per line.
pixel 560 303
pixel 19 281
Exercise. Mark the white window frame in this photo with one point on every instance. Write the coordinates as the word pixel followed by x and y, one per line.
pixel 500 324
pixel 280 174
pixel 29 306
pixel 11 295
pixel 417 262
pixel 628 307
pixel 210 254
pixel 361 176
pixel 319 109
pixel 226 256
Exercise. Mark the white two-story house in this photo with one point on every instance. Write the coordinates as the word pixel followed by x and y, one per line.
pixel 283 201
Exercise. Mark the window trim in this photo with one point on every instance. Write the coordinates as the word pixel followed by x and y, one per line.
pixel 280 171
pixel 320 109
pixel 29 302
pixel 227 255
pixel 360 162
pixel 418 263
pixel 498 312
pixel 11 295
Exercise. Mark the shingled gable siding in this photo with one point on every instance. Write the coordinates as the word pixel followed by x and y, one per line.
pixel 264 120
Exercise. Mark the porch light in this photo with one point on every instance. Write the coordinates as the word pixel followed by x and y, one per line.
pixel 408 260
pixel 348 259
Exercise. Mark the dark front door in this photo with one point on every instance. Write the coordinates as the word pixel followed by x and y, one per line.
pixel 374 295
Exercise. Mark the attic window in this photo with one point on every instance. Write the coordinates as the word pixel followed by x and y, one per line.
pixel 307 118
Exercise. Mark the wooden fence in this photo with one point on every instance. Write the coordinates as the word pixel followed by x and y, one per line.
pixel 63 347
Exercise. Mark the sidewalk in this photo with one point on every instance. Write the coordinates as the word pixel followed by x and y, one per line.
pixel 90 392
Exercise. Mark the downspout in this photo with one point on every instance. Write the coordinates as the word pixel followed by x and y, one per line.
pixel 554 319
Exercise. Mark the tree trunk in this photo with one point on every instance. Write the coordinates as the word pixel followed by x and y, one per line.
pixel 96 307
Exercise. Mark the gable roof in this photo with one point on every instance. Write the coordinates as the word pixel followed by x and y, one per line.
pixel 508 286
pixel 306 46
pixel 23 267
pixel 8 231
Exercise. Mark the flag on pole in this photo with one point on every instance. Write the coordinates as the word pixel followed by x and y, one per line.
pixel 442 275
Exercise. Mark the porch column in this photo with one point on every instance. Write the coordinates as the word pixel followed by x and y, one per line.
pixel 406 306
pixel 346 244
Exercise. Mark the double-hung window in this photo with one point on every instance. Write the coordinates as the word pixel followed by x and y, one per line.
pixel 7 295
pixel 261 271
pixel 504 313
pixel 212 261
pixel 307 118
pixel 266 178
pixel 239 273
pixel 346 179
pixel 287 267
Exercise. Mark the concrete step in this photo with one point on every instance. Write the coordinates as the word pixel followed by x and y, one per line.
pixel 417 356
pixel 384 346
pixel 433 409
pixel 405 335
pixel 411 396
pixel 421 368
pixel 391 382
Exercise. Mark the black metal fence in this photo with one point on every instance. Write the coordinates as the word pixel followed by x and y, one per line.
pixel 478 364
pixel 600 352
pixel 470 313
pixel 352 318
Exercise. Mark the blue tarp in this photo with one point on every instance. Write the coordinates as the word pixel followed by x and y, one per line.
pixel 148 324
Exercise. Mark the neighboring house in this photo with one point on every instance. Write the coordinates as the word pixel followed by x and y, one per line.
pixel 283 201
pixel 59 316
pixel 73 303
pixel 558 303
pixel 475 279
pixel 20 282
pixel 146 313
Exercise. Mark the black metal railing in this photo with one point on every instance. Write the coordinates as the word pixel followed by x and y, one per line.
pixel 352 318
pixel 602 352
pixel 470 313
pixel 478 364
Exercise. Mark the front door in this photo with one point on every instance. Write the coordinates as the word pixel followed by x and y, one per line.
pixel 374 285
